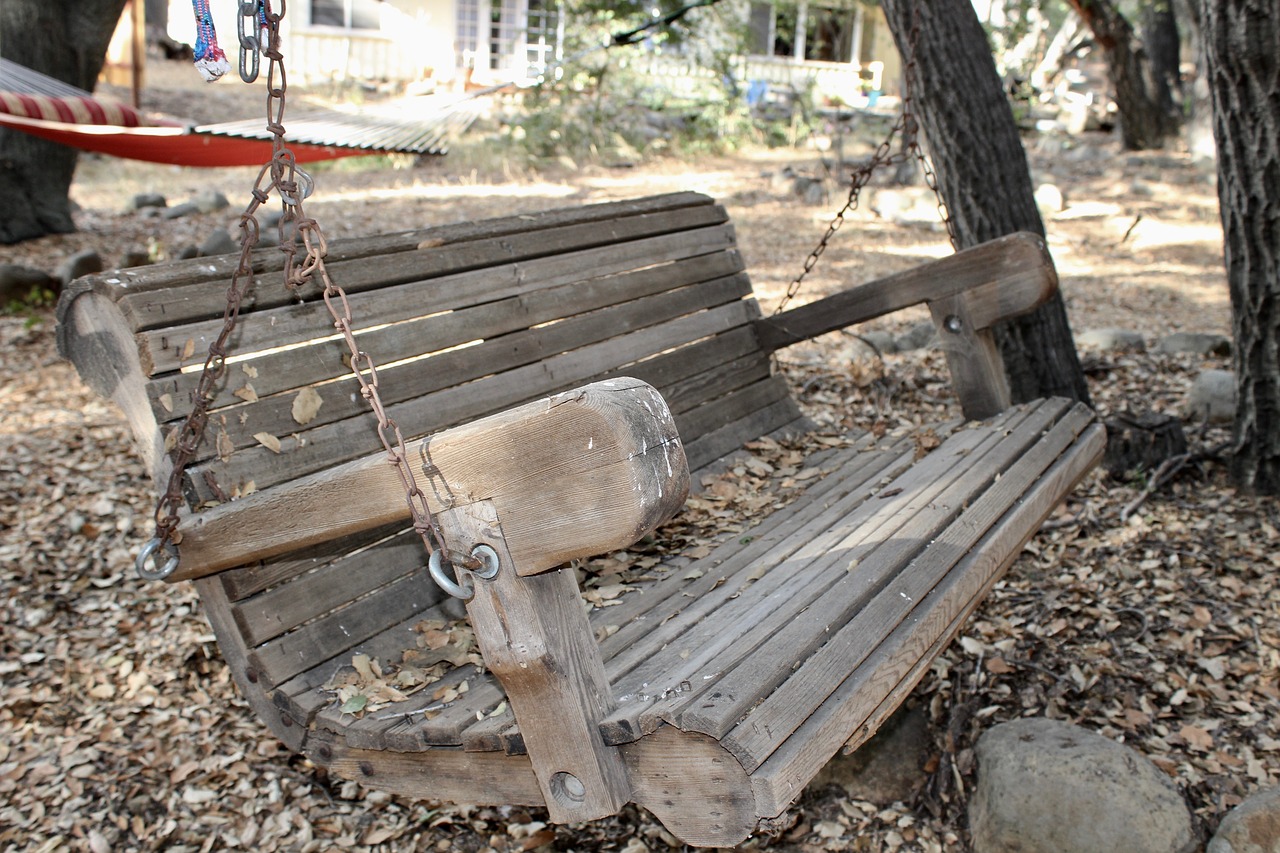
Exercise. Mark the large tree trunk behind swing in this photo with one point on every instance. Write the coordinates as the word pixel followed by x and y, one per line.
pixel 1241 40
pixel 982 173
pixel 65 39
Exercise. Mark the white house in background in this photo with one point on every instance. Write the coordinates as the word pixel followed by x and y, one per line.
pixel 448 41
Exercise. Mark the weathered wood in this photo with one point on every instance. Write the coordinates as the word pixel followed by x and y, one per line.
pixel 283 370
pixel 536 639
pixel 332 444
pixel 977 373
pixel 772 721
pixel 497 352
pixel 717 690
pixel 1014 274
pixel 783 776
pixel 179 292
pixel 606 461
pixel 173 347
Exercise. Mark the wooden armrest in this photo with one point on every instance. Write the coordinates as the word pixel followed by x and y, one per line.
pixel 967 293
pixel 573 475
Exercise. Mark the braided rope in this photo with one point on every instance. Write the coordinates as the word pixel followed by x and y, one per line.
pixel 210 60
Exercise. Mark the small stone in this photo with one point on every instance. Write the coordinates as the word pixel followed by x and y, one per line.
pixel 218 243
pixel 82 263
pixel 1119 340
pixel 1049 199
pixel 1212 397
pixel 179 210
pixel 1251 827
pixel 810 189
pixel 210 201
pixel 1200 343
pixel 919 336
pixel 145 200
pixel 906 205
pixel 883 342
pixel 187 252
pixel 18 282
pixel 134 258
pixel 1046 785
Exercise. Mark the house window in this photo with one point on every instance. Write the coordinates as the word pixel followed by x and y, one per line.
pixel 542 34
pixel 504 26
pixel 468 34
pixel 348 14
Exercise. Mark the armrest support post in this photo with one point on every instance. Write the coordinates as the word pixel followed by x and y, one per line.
pixel 535 637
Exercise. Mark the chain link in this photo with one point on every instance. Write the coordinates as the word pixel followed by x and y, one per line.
pixel 883 156
pixel 293 185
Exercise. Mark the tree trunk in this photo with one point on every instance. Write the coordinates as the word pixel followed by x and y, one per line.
pixel 1242 53
pixel 66 39
pixel 1164 49
pixel 1144 121
pixel 1197 130
pixel 982 173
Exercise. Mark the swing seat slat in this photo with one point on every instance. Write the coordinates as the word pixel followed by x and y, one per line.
pixel 711 691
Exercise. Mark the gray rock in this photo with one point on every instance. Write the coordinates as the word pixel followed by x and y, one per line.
pixel 1201 343
pixel 1049 199
pixel 218 243
pixel 1212 397
pixel 905 205
pixel 883 342
pixel 145 200
pixel 18 282
pixel 919 336
pixel 1049 787
pixel 889 767
pixel 134 258
pixel 179 210
pixel 1251 827
pixel 1121 340
pixel 210 201
pixel 812 190
pixel 269 217
pixel 86 262
pixel 187 252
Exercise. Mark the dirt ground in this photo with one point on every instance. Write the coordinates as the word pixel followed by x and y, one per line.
pixel 1150 618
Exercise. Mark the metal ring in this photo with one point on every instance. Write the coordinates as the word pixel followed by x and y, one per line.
pixel 445 582
pixel 147 555
pixel 489 557
pixel 306 184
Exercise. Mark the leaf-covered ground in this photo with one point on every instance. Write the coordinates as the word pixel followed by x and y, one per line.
pixel 1148 615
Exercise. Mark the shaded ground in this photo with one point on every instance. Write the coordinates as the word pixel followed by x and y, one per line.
pixel 1150 619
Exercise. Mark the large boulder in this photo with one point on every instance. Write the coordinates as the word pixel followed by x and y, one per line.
pixel 1251 827
pixel 1046 786
pixel 1119 340
pixel 1212 397
pixel 1200 343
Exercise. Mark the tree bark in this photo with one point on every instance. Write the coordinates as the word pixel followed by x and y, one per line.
pixel 982 173
pixel 1144 121
pixel 1242 54
pixel 65 39
pixel 1164 53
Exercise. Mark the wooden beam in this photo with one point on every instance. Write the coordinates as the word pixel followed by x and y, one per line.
pixel 1011 276
pixel 573 475
pixel 534 635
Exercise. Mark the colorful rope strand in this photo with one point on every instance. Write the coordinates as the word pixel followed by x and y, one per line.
pixel 210 60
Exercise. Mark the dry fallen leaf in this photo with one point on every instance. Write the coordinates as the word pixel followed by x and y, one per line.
pixel 268 441
pixel 306 405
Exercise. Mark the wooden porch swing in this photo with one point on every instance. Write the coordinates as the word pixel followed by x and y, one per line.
pixel 564 373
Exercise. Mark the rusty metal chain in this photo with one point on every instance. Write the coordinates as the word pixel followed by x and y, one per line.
pixel 293 185
pixel 883 156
